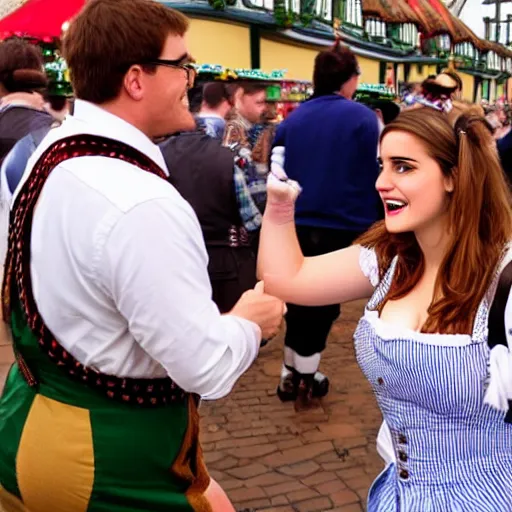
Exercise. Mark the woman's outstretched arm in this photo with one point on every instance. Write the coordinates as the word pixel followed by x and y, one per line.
pixel 328 279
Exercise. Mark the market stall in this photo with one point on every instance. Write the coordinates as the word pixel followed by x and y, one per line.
pixel 283 94
pixel 286 95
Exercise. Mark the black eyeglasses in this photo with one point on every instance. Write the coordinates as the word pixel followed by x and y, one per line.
pixel 189 69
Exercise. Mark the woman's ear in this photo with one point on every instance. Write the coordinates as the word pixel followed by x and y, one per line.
pixel 449 185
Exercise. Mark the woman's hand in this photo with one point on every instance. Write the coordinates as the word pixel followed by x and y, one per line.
pixel 280 188
pixel 282 192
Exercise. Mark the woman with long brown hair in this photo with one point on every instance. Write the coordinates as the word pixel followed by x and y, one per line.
pixel 430 271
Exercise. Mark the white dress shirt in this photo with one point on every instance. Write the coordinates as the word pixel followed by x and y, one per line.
pixel 119 269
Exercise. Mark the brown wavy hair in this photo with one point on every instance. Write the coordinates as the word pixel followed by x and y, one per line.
pixel 479 213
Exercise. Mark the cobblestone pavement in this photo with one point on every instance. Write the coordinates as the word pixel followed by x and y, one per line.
pixel 270 458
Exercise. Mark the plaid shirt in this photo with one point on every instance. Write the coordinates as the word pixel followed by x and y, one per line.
pixel 256 182
pixel 249 212
pixel 236 138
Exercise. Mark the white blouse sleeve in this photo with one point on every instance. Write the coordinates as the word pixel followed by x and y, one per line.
pixel 499 389
pixel 369 265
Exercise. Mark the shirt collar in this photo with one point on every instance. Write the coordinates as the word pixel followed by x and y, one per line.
pixel 214 115
pixel 23 99
pixel 92 119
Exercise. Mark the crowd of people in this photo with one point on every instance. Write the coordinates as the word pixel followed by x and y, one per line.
pixel 152 243
pixel 497 114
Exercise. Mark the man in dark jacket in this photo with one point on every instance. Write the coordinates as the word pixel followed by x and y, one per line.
pixel 331 150
pixel 209 177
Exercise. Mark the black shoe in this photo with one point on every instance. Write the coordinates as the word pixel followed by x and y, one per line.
pixel 305 400
pixel 287 391
pixel 320 387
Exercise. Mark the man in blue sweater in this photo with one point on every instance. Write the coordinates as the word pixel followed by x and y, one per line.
pixel 331 150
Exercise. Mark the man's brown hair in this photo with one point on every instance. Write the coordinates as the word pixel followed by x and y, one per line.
pixel 251 88
pixel 215 93
pixel 333 68
pixel 109 36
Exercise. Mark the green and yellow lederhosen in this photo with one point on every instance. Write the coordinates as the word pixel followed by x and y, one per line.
pixel 65 445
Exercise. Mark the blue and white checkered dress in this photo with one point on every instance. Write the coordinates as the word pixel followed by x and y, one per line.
pixel 451 452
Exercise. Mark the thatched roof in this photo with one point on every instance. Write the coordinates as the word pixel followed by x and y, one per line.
pixel 427 15
pixel 464 34
pixel 390 11
pixel 432 18
pixel 501 50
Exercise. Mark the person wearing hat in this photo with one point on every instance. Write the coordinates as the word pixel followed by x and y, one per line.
pixel 22 82
pixel 22 110
pixel 450 80
pixel 27 113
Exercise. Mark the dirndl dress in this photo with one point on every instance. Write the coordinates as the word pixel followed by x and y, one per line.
pixel 450 451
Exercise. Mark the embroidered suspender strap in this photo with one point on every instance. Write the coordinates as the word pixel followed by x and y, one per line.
pixel 17 284
pixel 496 324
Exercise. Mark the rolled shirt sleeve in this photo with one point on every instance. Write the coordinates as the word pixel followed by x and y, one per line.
pixel 155 264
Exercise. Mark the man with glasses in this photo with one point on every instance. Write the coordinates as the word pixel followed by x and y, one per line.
pixel 107 292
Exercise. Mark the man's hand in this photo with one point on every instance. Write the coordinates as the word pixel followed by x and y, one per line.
pixel 262 309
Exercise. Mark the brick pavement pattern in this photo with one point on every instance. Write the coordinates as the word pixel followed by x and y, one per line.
pixel 271 459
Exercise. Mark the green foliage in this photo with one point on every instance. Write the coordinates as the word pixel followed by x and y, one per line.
pixel 218 5
pixel 307 7
pixel 306 19
pixel 283 16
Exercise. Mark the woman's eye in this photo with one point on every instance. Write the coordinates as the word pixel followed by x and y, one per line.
pixel 401 168
pixel 381 167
